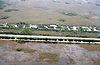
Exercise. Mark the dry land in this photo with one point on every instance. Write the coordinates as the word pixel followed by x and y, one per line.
pixel 32 53
pixel 50 12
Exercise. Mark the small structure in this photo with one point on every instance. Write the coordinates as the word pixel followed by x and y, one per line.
pixel 46 27
pixel 95 29
pixel 33 26
pixel 16 26
pixel 74 28
pixel 68 28
pixel 54 26
pixel 85 28
pixel 3 25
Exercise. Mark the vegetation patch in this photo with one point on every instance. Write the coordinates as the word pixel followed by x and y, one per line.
pixel 4 17
pixel 26 32
pixel 20 41
pixel 71 13
pixel 19 49
pixel 26 50
pixel 62 20
pixel 49 57
pixel 10 10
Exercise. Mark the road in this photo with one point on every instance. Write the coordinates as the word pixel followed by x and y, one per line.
pixel 49 38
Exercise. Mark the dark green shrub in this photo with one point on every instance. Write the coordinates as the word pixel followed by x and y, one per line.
pixel 71 14
pixel 20 41
pixel 26 32
pixel 19 49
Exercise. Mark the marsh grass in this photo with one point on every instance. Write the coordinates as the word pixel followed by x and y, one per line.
pixel 26 50
pixel 49 57
pixel 90 47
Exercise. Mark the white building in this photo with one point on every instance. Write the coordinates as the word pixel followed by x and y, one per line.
pixel 33 26
pixel 54 26
pixel 85 28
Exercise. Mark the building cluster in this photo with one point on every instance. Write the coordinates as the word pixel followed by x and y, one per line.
pixel 51 27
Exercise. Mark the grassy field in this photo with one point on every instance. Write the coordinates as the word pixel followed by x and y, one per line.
pixel 49 57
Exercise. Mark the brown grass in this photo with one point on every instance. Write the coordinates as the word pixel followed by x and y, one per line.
pixel 26 50
pixel 90 47
pixel 70 61
pixel 49 57
pixel 7 41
